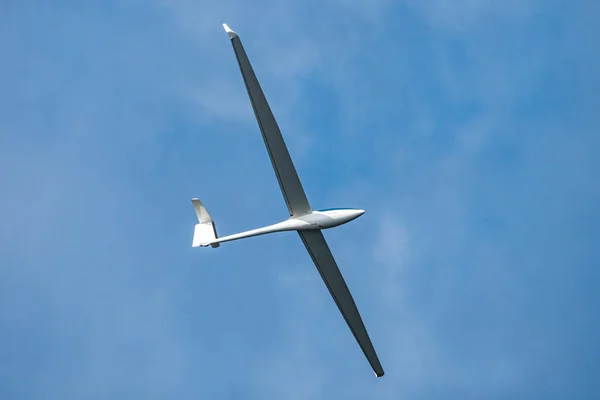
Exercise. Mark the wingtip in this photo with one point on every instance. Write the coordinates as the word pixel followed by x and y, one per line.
pixel 379 374
pixel 229 31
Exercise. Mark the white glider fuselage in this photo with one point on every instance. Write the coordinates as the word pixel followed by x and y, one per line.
pixel 321 219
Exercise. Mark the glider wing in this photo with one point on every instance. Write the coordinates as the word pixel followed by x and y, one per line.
pixel 321 255
pixel 290 185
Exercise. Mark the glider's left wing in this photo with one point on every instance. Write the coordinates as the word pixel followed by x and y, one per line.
pixel 321 255
pixel 290 185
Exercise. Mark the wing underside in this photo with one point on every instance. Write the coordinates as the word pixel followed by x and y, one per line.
pixel 321 255
pixel 290 185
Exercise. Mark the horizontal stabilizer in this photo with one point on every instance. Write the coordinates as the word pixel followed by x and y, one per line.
pixel 205 231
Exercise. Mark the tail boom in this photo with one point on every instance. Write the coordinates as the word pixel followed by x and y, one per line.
pixel 291 224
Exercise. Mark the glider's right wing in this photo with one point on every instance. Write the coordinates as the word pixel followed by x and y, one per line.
pixel 290 185
pixel 321 255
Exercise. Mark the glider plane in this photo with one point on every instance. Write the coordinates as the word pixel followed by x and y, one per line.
pixel 303 219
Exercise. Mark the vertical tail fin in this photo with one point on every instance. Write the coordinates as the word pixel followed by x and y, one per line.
pixel 205 231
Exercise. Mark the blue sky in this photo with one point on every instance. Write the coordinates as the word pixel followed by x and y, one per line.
pixel 467 129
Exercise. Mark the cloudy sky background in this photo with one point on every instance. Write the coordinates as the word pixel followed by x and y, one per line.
pixel 467 129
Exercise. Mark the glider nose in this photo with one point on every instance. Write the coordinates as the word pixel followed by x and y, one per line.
pixel 357 213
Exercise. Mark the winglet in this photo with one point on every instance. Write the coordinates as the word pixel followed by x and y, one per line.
pixel 231 33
